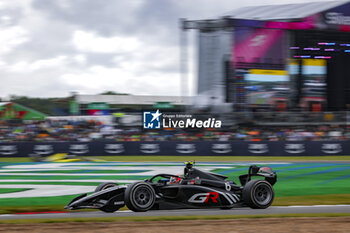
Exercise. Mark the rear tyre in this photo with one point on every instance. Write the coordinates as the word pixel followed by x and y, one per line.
pixel 258 194
pixel 140 197
pixel 109 208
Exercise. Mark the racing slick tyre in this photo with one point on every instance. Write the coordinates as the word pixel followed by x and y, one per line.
pixel 104 186
pixel 139 197
pixel 258 194
pixel 109 208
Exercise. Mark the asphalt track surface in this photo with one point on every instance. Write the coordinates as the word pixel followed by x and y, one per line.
pixel 188 212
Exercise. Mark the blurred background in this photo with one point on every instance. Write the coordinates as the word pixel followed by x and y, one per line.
pixel 269 73
pixel 76 77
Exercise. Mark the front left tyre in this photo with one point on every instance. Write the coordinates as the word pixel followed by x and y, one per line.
pixel 110 207
pixel 140 197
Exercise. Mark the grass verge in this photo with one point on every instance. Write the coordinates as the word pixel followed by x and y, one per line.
pixel 331 199
pixel 168 218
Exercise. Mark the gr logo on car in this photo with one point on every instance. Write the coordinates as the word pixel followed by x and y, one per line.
pixel 204 197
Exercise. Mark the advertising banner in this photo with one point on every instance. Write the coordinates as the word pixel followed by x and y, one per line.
pixel 198 148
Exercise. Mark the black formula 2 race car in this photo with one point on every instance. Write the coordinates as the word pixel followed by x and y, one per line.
pixel 195 189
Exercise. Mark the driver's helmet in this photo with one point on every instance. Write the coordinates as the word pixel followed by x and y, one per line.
pixel 267 170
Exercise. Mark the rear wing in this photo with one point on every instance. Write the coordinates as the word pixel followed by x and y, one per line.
pixel 267 172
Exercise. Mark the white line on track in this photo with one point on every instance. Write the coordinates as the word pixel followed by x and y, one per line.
pixel 45 190
pixel 68 174
pixel 65 181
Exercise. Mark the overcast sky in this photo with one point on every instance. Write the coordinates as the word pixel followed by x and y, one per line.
pixel 49 48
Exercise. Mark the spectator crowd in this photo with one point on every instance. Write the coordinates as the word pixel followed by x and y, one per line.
pixel 63 130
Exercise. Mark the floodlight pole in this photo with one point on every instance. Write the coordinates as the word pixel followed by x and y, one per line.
pixel 183 63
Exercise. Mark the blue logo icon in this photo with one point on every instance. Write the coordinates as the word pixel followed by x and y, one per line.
pixel 152 119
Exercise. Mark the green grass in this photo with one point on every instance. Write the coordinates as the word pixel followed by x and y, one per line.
pixel 153 158
pixel 331 199
pixel 15 159
pixel 32 202
pixel 170 218
pixel 11 190
pixel 301 183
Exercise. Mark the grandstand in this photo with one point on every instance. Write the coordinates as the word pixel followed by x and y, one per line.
pixel 277 58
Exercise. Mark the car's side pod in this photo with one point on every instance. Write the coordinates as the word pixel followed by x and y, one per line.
pixel 270 176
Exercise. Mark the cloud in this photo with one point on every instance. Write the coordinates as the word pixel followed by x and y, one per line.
pixel 50 48
pixel 98 79
pixel 11 37
pixel 53 63
pixel 90 42
pixel 80 58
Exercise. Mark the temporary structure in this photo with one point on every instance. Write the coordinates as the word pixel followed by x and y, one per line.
pixel 10 110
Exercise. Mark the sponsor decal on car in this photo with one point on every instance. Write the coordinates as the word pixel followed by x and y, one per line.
pixel 204 197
